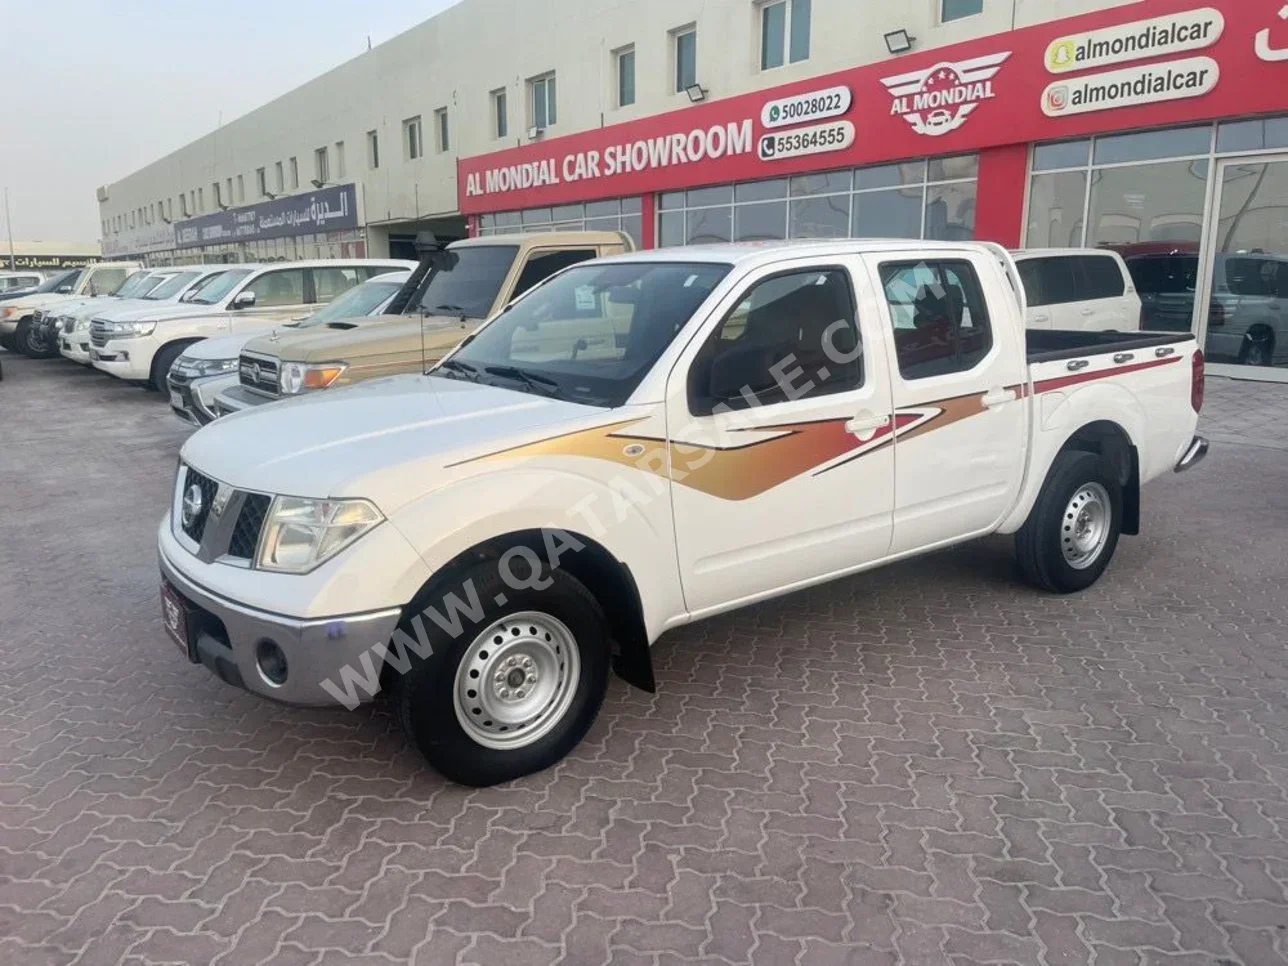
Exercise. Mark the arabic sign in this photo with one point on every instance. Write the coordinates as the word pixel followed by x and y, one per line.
pixel 328 209
pixel 46 262
pixel 1148 64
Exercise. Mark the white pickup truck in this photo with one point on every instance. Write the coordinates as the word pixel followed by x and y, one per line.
pixel 640 442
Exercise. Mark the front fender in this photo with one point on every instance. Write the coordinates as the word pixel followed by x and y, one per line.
pixel 629 515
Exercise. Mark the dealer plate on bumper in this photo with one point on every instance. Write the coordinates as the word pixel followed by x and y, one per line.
pixel 174 614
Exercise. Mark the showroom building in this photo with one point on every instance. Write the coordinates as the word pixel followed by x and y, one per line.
pixel 1158 127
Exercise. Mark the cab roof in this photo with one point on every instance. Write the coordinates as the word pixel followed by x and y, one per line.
pixel 546 239
pixel 737 253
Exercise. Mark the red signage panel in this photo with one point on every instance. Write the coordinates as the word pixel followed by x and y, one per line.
pixel 1148 64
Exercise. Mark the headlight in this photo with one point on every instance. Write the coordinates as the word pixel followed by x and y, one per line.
pixel 129 330
pixel 8 312
pixel 298 377
pixel 301 534
pixel 207 367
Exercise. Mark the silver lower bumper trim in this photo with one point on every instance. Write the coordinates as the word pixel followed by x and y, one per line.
pixel 1194 454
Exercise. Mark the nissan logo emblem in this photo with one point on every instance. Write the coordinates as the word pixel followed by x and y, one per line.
pixel 193 503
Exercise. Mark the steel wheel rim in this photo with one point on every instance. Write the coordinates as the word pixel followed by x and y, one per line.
pixel 516 680
pixel 1084 528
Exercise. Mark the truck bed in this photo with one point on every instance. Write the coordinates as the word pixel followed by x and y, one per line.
pixel 1053 345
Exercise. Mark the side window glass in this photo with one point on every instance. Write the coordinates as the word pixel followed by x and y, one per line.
pixel 541 265
pixel 330 282
pixel 1056 280
pixel 1101 277
pixel 105 281
pixel 792 336
pixel 940 317
pixel 278 288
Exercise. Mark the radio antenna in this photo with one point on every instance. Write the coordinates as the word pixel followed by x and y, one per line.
pixel 422 341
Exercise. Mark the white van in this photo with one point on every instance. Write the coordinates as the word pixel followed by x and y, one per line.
pixel 1078 289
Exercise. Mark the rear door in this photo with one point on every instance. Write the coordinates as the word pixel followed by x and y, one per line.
pixel 958 371
pixel 779 422
pixel 1107 301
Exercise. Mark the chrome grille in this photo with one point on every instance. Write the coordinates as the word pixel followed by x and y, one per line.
pixel 258 374
pixel 69 324
pixel 98 333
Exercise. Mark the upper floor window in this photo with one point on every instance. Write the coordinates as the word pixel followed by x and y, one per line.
pixel 542 107
pixel 217 195
pixel 295 174
pixel 339 160
pixel 625 58
pixel 281 179
pixel 373 150
pixel 685 42
pixel 413 146
pixel 957 9
pixel 261 182
pixel 500 122
pixel 784 33
pixel 241 190
pixel 322 165
pixel 442 134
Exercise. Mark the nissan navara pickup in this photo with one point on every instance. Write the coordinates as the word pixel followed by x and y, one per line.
pixel 641 442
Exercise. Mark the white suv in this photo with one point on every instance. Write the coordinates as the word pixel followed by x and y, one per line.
pixel 245 298
pixel 1078 289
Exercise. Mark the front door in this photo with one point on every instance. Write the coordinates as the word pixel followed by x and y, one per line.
pixel 1244 272
pixel 959 377
pixel 780 432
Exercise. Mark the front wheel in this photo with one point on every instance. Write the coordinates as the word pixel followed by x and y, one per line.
pixel 1073 529
pixel 516 689
pixel 32 341
pixel 1258 349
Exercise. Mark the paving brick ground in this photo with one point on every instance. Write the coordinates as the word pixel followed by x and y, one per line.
pixel 930 764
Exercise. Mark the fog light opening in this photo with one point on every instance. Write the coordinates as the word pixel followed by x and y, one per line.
pixel 272 662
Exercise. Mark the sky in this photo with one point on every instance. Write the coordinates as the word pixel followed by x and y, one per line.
pixel 95 89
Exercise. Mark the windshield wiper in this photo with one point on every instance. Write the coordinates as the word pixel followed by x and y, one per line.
pixel 533 381
pixel 459 370
pixel 451 309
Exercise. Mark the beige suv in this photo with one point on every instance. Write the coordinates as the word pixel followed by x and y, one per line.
pixel 466 283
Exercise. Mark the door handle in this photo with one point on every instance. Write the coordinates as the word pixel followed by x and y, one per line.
pixel 865 427
pixel 1042 318
pixel 1122 357
pixel 998 397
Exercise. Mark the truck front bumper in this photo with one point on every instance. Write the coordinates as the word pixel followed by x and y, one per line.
pixel 122 358
pixel 193 398
pixel 279 657
pixel 1193 455
pixel 236 398
pixel 75 346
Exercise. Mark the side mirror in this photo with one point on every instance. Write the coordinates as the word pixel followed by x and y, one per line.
pixel 63 290
pixel 243 300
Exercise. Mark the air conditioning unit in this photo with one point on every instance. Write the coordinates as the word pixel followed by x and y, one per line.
pixel 102 193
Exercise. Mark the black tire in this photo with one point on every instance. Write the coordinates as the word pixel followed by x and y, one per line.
pixel 424 695
pixel 161 363
pixel 32 343
pixel 1040 543
pixel 1258 348
pixel 7 343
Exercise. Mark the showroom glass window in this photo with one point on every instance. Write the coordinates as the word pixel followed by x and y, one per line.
pixel 919 199
pixel 618 214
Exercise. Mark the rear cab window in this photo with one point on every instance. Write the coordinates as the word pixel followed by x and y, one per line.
pixel 939 316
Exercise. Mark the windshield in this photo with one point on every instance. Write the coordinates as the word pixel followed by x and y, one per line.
pixel 590 334
pixel 355 303
pixel 172 286
pixel 135 284
pixel 62 279
pixel 465 281
pixel 219 286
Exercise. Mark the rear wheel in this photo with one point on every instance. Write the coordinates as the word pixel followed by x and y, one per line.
pixel 517 689
pixel 1258 348
pixel 32 341
pixel 1073 529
